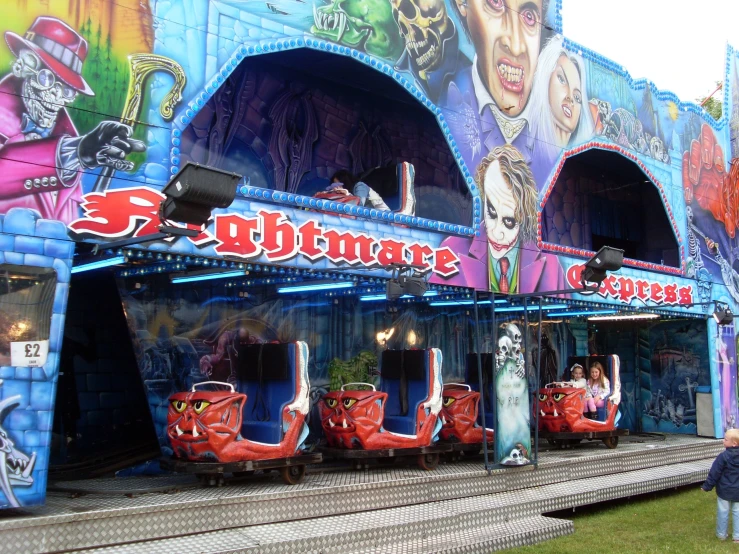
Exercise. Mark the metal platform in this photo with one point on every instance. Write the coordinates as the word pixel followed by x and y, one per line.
pixel 456 508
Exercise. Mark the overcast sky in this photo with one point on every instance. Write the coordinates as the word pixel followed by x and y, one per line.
pixel 678 45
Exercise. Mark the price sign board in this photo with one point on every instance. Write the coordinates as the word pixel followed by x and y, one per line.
pixel 29 353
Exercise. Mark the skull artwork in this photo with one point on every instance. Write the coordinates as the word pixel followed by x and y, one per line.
pixel 44 95
pixel 517 457
pixel 514 333
pixel 705 284
pixel 657 150
pixel 425 26
pixel 505 347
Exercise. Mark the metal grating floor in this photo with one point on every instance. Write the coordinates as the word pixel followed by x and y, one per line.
pixel 419 523
pixel 244 511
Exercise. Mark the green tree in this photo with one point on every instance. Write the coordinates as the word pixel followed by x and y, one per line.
pixel 713 104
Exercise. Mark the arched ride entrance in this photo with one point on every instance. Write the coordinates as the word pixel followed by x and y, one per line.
pixel 289 120
pixel 602 198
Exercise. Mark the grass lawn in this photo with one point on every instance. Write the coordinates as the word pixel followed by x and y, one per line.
pixel 682 520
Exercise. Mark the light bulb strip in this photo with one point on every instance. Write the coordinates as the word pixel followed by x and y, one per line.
pixel 99 264
pixel 623 317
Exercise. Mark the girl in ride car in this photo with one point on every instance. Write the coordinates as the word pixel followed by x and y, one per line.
pixel 577 377
pixel 598 390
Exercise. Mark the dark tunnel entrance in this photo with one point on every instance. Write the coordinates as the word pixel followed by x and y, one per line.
pixel 602 198
pixel 289 120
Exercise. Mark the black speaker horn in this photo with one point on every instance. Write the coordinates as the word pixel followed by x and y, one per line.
pixel 606 259
pixel 193 193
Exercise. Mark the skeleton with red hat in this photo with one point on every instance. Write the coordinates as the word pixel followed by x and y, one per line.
pixel 41 152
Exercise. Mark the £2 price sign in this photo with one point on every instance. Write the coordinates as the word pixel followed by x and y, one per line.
pixel 29 353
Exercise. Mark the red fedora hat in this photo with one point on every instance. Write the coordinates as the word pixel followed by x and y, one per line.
pixel 59 46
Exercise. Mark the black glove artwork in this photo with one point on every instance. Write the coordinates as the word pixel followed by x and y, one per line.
pixel 107 145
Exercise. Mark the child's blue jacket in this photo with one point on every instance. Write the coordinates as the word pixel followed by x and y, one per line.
pixel 724 475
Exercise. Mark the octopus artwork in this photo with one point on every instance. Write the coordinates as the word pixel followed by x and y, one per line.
pixel 706 180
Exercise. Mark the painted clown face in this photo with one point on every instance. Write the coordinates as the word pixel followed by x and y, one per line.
pixel 500 213
pixel 506 35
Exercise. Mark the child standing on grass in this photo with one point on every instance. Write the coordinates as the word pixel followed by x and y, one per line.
pixel 724 475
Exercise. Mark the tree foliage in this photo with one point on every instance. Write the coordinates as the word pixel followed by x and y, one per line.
pixel 714 104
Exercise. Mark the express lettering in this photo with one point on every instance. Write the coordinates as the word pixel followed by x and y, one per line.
pixel 625 289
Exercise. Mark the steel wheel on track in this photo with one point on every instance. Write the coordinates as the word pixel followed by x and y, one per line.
pixel 292 475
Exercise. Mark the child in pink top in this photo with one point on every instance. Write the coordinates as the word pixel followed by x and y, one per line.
pixel 598 389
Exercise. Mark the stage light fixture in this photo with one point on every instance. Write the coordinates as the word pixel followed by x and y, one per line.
pixel 606 259
pixel 193 193
pixel 190 197
pixel 403 282
pixel 394 290
pixel 723 315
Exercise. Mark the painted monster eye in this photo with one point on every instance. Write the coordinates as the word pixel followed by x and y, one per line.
pixel 557 396
pixel 448 401
pixel 542 398
pixel 349 402
pixel 179 406
pixel 199 406
pixel 331 402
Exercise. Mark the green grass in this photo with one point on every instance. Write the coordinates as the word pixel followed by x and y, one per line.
pixel 682 520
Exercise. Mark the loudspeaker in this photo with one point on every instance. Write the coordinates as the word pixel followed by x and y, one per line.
pixel 394 290
pixel 723 315
pixel 606 259
pixel 415 286
pixel 194 191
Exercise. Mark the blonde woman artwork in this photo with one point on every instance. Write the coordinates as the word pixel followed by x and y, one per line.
pixel 560 114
